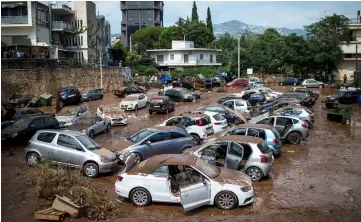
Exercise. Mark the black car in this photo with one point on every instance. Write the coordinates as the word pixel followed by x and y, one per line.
pixel 129 90
pixel 23 129
pixel 161 104
pixel 179 82
pixel 13 114
pixel 20 100
pixel 69 96
pixel 290 81
pixel 305 98
pixel 306 90
pixel 344 97
pixel 230 117
pixel 179 95
pixel 278 104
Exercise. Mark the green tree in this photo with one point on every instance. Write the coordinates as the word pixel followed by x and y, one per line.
pixel 324 38
pixel 195 17
pixel 227 44
pixel 132 59
pixel 199 33
pixel 209 20
pixel 119 45
pixel 170 33
pixel 146 38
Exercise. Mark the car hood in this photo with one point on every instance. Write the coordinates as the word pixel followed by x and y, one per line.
pixel 233 177
pixel 127 102
pixel 105 152
pixel 11 130
pixel 332 97
pixel 65 119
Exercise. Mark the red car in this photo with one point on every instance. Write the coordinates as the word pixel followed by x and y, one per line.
pixel 239 82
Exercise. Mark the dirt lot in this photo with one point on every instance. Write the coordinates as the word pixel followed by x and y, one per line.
pixel 317 181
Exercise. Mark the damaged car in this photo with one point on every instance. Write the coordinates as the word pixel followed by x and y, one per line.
pixel 91 126
pixel 115 115
pixel 184 179
pixel 68 116
pixel 243 153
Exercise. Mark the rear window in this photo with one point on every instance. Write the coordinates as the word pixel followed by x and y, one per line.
pixel 154 101
pixel 295 121
pixel 263 147
pixel 218 117
pixel 46 137
pixel 205 120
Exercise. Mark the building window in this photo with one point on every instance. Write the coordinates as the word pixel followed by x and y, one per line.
pixel 78 40
pixel 81 24
pixel 211 58
pixel 172 57
pixel 81 40
pixel 160 58
pixel 201 56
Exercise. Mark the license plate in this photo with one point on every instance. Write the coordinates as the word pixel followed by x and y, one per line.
pixel 156 106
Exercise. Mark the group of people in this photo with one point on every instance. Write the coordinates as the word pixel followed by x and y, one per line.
pixel 11 53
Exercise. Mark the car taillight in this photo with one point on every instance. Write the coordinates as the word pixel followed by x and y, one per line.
pixel 218 123
pixel 61 93
pixel 311 116
pixel 200 122
pixel 264 159
pixel 13 117
pixel 120 178
pixel 275 141
pixel 304 125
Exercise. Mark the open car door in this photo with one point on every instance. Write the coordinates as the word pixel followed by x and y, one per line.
pixel 195 195
pixel 234 156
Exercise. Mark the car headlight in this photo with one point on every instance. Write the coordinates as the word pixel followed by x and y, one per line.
pixel 246 188
pixel 104 159
pixel 14 135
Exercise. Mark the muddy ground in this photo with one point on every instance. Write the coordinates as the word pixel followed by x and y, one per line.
pixel 316 181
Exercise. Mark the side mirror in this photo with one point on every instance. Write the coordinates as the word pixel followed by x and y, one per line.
pixel 32 126
pixel 79 148
pixel 79 114
pixel 148 142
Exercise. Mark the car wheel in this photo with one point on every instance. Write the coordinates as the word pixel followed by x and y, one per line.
pixel 226 200
pixel 32 159
pixel 136 107
pixel 196 138
pixel 140 197
pixel 101 97
pixel 109 127
pixel 320 86
pixel 255 173
pixel 150 112
pixel 90 99
pixel 91 134
pixel 91 170
pixel 237 121
pixel 61 104
pixel 147 104
pixel 138 157
pixel 294 138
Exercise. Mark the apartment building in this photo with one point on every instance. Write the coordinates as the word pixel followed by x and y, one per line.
pixel 139 14
pixel 56 30
pixel 103 39
pixel 352 51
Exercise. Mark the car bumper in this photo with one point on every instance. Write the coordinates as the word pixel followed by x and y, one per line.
pixel 121 191
pixel 245 198
pixel 107 167
pixel 276 150
pixel 152 109
pixel 266 168
pixel 127 107
pixel 119 123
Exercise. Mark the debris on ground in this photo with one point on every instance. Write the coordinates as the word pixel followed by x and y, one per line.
pixel 50 214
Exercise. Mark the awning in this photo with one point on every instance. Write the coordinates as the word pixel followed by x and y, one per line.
pixel 12 4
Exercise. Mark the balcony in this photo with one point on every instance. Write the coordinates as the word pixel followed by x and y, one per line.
pixel 62 9
pixel 354 21
pixel 62 26
pixel 14 20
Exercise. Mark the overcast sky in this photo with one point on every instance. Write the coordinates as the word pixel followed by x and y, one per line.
pixel 275 14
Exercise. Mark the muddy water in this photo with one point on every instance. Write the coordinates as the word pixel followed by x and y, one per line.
pixel 323 174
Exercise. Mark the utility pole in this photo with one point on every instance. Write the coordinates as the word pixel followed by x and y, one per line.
pixel 357 76
pixel 130 43
pixel 239 73
pixel 101 70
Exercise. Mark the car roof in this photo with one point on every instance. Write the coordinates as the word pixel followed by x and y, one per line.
pixel 164 128
pixel 195 114
pixel 135 94
pixel 35 116
pixel 292 107
pixel 237 138
pixel 65 131
pixel 149 165
pixel 248 125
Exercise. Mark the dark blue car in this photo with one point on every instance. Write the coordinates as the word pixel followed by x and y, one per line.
pixel 359 100
pixel 255 98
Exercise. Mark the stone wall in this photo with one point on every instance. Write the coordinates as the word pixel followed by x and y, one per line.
pixel 36 82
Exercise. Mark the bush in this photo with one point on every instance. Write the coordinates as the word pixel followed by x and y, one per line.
pixel 51 180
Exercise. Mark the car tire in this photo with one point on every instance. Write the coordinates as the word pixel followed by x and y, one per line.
pixel 101 97
pixel 90 99
pixel 138 157
pixel 226 200
pixel 136 107
pixel 196 138
pixel 91 134
pixel 32 159
pixel 294 138
pixel 140 197
pixel 255 173
pixel 237 121
pixel 150 112
pixel 320 86
pixel 109 127
pixel 147 104
pixel 91 170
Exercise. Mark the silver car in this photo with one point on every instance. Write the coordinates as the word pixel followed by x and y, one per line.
pixel 70 148
pixel 299 111
pixel 92 94
pixel 91 126
pixel 311 83
pixel 68 116
pixel 291 129
pixel 155 141
pixel 244 153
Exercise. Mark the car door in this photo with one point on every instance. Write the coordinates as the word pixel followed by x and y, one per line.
pixel 68 151
pixel 240 106
pixel 229 104
pixel 354 96
pixel 71 95
pixel 283 124
pixel 160 184
pixel 99 125
pixel 143 100
pixel 234 156
pixel 159 144
pixel 35 125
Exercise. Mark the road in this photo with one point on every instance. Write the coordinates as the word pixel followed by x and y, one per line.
pixel 318 181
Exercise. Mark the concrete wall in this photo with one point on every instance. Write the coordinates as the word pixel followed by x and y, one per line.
pixel 35 82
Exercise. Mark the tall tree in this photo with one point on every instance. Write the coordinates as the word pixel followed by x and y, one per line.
pixel 195 17
pixel 146 38
pixel 209 20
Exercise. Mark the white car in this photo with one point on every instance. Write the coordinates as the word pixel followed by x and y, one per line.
pixel 219 122
pixel 116 115
pixel 252 81
pixel 197 125
pixel 240 105
pixel 68 116
pixel 270 92
pixel 134 101
pixel 184 179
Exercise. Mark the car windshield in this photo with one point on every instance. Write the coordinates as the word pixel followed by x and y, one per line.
pixel 206 168
pixel 341 93
pixel 155 101
pixel 67 112
pixel 131 98
pixel 218 117
pixel 22 123
pixel 88 143
pixel 136 138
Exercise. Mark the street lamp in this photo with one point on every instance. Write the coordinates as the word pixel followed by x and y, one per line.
pixel 101 68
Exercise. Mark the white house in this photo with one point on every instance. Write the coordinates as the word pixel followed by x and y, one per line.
pixel 183 54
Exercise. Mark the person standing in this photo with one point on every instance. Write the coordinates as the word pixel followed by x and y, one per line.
pixel 345 79
pixel 329 79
